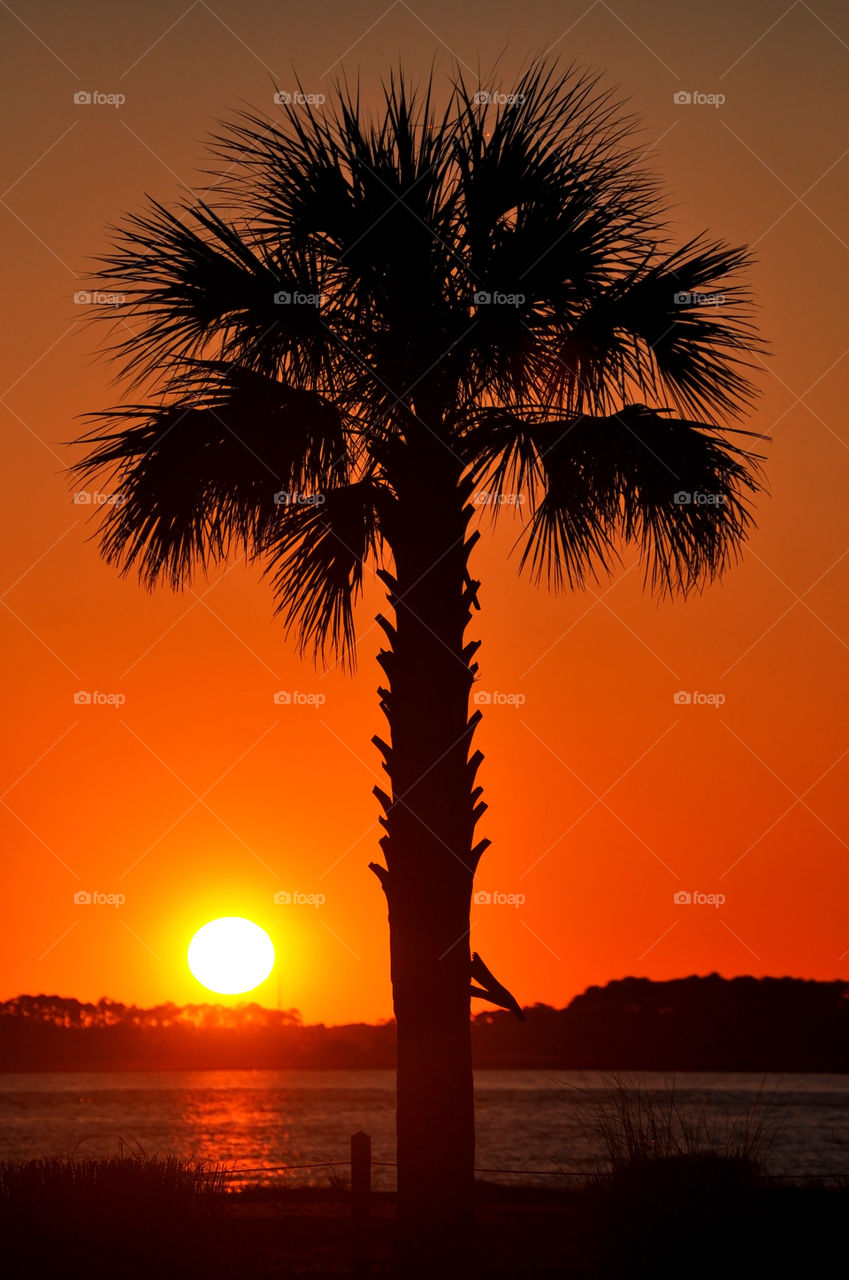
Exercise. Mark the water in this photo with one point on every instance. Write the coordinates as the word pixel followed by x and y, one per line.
pixel 533 1126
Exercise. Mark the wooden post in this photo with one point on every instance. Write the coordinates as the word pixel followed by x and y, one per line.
pixel 360 1199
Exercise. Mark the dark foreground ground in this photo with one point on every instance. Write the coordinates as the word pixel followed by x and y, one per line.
pixel 679 1217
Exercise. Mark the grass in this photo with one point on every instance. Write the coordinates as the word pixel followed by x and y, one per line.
pixel 108 1217
pixel 686 1190
pixel 147 1180
pixel 634 1126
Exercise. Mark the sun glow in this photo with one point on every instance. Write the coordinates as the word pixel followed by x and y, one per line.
pixel 231 955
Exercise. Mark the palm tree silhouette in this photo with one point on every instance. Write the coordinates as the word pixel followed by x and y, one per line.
pixel 384 317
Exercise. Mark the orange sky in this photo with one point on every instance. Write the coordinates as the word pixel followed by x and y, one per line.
pixel 199 796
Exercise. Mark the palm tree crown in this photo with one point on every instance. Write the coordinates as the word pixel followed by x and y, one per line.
pixel 492 281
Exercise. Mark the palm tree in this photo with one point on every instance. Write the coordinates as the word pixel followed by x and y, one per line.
pixel 382 316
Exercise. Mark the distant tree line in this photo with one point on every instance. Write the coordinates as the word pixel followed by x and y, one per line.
pixel 687 1024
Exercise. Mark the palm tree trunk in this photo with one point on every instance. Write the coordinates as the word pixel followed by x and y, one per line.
pixel 430 819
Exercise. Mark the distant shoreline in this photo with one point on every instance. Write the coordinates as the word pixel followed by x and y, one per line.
pixel 696 1024
pixel 523 1066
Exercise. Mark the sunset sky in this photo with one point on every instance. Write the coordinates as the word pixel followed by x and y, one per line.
pixel 199 796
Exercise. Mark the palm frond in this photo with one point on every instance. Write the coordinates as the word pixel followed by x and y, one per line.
pixel 554 207
pixel 368 199
pixel 317 553
pixel 679 327
pixel 208 470
pixel 678 489
pixel 200 287
pixel 501 451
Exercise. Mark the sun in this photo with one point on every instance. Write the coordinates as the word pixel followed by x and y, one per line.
pixel 231 955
